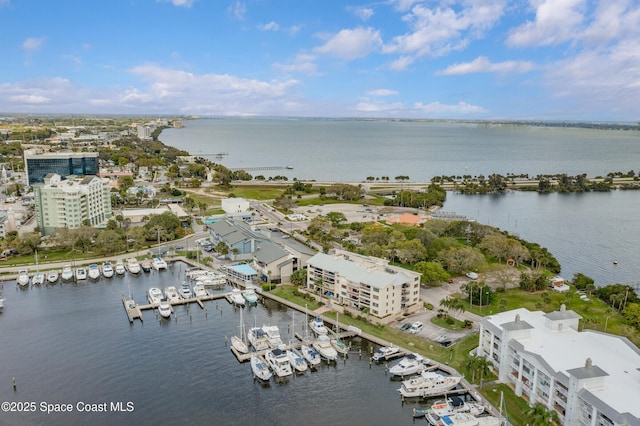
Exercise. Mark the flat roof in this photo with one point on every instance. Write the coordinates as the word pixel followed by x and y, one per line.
pixel 243 269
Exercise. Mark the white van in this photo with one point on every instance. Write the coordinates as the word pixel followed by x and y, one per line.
pixel 416 327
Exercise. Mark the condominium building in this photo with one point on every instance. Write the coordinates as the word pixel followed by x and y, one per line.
pixel 72 202
pixel 39 164
pixel 364 282
pixel 589 378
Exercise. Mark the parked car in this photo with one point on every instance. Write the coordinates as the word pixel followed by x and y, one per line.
pixel 405 326
pixel 416 327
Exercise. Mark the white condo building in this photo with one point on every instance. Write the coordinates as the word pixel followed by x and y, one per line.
pixel 364 282
pixel 589 378
pixel 71 202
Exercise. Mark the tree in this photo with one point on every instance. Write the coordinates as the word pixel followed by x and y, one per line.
pixel 299 277
pixel 461 259
pixel 28 243
pixel 336 218
pixel 109 242
pixel 432 273
pixel 410 251
pixel 538 415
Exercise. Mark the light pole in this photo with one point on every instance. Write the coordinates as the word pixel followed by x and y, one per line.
pixel 607 322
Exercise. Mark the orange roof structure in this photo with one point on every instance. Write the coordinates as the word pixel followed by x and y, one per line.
pixel 406 219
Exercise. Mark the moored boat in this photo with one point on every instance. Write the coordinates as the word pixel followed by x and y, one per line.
pixel 411 364
pixel 310 355
pixel 185 291
pixel 250 295
pixel 323 345
pixel 428 384
pixel 295 359
pixel 52 277
pixel 67 273
pixel 339 346
pixel 258 339
pixel 159 264
pixel 133 266
pixel 171 294
pixel 164 309
pixel 383 353
pixel 145 265
pixel 260 368
pixel 23 279
pixel 38 278
pixel 199 290
pixel 107 270
pixel 120 270
pixel 81 274
pixel 279 363
pixel 94 271
pixel 239 342
pixel 154 295
pixel 272 334
pixel 317 326
pixel 236 297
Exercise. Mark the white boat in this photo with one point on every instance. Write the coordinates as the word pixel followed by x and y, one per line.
pixel 154 295
pixel 107 270
pixel 323 345
pixel 317 326
pixel 185 291
pixel 449 406
pixel 250 295
pixel 296 360
pixel 164 309
pixel 383 353
pixel 67 273
pixel 260 368
pixel 489 421
pixel 279 363
pixel 310 355
pixel 159 264
pixel 145 265
pixel 411 364
pixel 38 278
pixel 339 346
pixel 236 297
pixel 258 339
pixel 199 290
pixel 23 279
pixel 81 274
pixel 94 271
pixel 454 419
pixel 171 294
pixel 238 342
pixel 120 270
pixel 427 384
pixel 272 333
pixel 52 277
pixel 213 280
pixel 133 266
pixel 1 303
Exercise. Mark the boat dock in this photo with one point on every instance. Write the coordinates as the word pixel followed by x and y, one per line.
pixel 133 311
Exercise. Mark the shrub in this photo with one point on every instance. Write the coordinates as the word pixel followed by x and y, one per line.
pixel 449 320
pixel 428 306
pixel 468 324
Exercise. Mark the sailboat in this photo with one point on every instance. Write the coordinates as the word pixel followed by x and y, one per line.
pixel 337 343
pixel 239 343
pixel 38 277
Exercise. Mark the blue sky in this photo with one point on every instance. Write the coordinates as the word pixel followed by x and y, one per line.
pixel 476 59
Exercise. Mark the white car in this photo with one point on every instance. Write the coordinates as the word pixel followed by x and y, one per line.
pixel 416 327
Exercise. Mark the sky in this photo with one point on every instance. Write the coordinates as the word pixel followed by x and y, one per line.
pixel 422 59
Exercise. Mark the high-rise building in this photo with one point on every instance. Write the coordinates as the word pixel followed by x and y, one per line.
pixel 39 164
pixel 72 202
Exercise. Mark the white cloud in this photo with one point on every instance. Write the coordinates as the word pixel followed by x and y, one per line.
pixel 352 44
pixel 32 95
pixel 438 108
pixel 556 22
pixel 361 12
pixel 30 99
pixel 237 10
pixel 180 3
pixel 32 44
pixel 380 107
pixel 295 29
pixel 401 63
pixel 613 19
pixel 482 64
pixel 271 26
pixel 303 63
pixel 404 5
pixel 382 92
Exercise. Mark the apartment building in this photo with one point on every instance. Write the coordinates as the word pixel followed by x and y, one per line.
pixel 39 164
pixel 589 378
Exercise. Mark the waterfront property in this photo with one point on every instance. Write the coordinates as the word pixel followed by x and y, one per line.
pixel 589 378
pixel 39 164
pixel 364 282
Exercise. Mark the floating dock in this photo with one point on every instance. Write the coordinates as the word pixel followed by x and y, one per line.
pixel 133 311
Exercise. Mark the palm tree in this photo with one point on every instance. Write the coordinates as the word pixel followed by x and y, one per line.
pixel 539 415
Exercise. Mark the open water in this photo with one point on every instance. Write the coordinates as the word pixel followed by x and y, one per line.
pixel 72 343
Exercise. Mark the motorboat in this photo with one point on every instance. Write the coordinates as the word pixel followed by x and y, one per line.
pixel 310 355
pixel 449 406
pixel 279 363
pixel 67 273
pixel 260 368
pixel 171 294
pixel 213 280
pixel 238 342
pixel 250 295
pixel 133 266
pixel 23 279
pixel 489 421
pixel 120 270
pixel 296 360
pixel 107 270
pixel 454 419
pixel 384 353
pixel 94 271
pixel 81 274
pixel 185 291
pixel 272 333
pixel 258 339
pixel 339 346
pixel 429 383
pixel 1 303
pixel 164 309
pixel 154 295
pixel 145 265
pixel 159 263
pixel 38 278
pixel 236 297
pixel 317 326
pixel 199 290
pixel 52 277
pixel 323 345
pixel 411 364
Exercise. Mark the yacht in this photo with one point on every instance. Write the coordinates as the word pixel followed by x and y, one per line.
pixel 94 271
pixel 185 291
pixel 52 277
pixel 272 333
pixel 67 273
pixel 133 266
pixel 323 345
pixel 449 406
pixel 453 419
pixel 317 326
pixel 296 360
pixel 236 297
pixel 411 364
pixel 279 362
pixel 310 355
pixel 107 270
pixel 38 278
pixel 23 279
pixel 427 384
pixel 258 339
pixel 383 353
pixel 159 264
pixel 171 294
pixel 339 346
pixel 146 266
pixel 164 309
pixel 250 295
pixel 260 368
pixel 120 267
pixel 213 280
pixel 199 290
pixel 154 295
pixel 81 274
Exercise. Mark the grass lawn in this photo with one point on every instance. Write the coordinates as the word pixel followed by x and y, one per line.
pixel 456 325
pixel 258 192
pixel 288 292
pixel 516 406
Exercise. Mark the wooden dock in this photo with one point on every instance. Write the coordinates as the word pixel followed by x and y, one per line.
pixel 198 300
pixel 133 311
